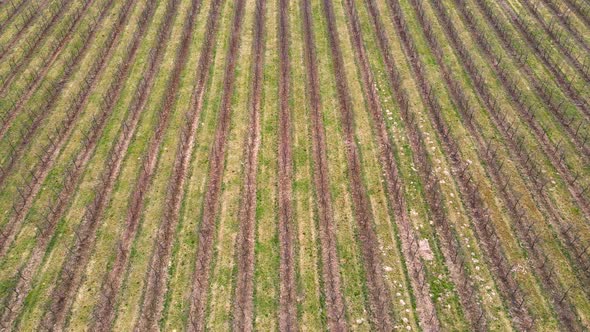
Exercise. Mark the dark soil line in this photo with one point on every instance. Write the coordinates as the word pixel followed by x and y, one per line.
pixel 528 166
pixel 8 118
pixel 509 195
pixel 394 183
pixel 33 48
pixel 379 297
pixel 551 150
pixel 156 278
pixel 475 205
pixel 577 141
pixel 288 284
pixel 243 307
pixel 564 19
pixel 207 227
pixel 579 101
pixel 59 137
pixel 104 313
pixel 450 246
pixel 336 311
pixel 33 13
pixel 56 210
pixel 16 10
pixel 63 294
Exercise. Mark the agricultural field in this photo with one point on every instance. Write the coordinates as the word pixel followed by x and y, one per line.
pixel 295 165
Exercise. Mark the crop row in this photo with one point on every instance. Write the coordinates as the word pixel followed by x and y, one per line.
pixel 130 127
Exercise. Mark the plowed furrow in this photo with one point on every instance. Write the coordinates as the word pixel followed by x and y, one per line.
pixel 104 313
pixel 330 263
pixel 379 296
pixel 243 307
pixel 156 277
